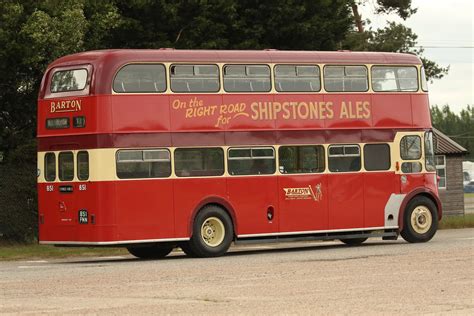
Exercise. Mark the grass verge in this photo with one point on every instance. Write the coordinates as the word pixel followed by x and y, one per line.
pixel 457 221
pixel 32 252
pixel 468 195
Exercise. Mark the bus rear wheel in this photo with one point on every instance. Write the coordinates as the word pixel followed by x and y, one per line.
pixel 353 241
pixel 420 220
pixel 212 233
pixel 151 252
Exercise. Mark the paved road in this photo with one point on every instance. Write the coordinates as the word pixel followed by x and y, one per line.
pixel 388 277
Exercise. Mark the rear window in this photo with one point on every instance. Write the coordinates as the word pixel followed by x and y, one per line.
pixel 69 80
pixel 66 166
pixel 50 167
pixel 83 165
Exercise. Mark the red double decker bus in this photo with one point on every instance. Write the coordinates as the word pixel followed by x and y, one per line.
pixel 157 149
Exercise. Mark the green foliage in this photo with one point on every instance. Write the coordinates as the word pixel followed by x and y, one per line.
pixel 460 127
pixel 401 7
pixel 224 24
pixel 18 207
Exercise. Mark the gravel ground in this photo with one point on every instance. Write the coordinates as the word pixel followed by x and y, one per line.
pixel 390 277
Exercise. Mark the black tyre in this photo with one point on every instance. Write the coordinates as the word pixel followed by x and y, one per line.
pixel 420 220
pixel 186 247
pixel 151 252
pixel 212 233
pixel 353 241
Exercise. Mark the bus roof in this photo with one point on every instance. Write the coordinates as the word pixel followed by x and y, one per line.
pixel 122 56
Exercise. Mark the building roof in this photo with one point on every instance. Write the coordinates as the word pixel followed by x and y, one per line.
pixel 447 146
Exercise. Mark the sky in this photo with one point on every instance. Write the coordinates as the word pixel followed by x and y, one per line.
pixel 446 31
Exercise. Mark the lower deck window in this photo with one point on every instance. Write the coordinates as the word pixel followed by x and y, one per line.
pixel 344 158
pixel 251 161
pixel 301 159
pixel 199 162
pixel 151 163
pixel 376 157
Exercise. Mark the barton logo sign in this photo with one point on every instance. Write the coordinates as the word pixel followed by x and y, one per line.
pixel 305 193
pixel 65 106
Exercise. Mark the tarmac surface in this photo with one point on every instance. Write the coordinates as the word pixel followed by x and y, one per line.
pixel 390 277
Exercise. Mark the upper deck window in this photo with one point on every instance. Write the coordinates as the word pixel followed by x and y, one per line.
pixel 69 80
pixel 345 79
pixel 247 78
pixel 144 78
pixel 399 79
pixel 194 78
pixel 291 78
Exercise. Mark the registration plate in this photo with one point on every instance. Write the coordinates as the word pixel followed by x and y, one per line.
pixel 83 217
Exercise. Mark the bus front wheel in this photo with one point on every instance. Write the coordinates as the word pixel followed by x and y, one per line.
pixel 420 220
pixel 151 252
pixel 212 233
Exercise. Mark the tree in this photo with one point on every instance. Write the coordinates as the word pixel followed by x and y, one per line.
pixel 33 34
pixel 459 127
pixel 225 24
pixel 395 37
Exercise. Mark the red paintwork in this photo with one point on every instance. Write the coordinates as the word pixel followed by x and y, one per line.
pixel 304 214
pixel 164 208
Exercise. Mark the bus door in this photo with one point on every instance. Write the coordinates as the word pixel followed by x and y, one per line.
pixel 302 188
pixel 252 189
pixel 345 187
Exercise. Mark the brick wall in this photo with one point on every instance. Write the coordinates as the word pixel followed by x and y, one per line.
pixel 452 197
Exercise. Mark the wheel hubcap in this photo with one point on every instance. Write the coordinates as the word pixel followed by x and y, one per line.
pixel 421 219
pixel 213 231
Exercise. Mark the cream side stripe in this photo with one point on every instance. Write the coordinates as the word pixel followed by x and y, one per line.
pixel 102 161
